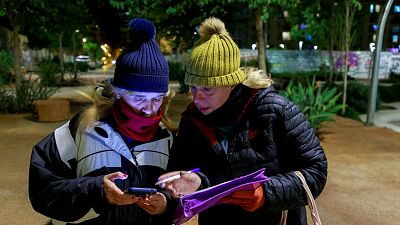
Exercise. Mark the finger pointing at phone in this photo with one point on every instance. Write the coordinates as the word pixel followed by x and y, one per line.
pixel 180 183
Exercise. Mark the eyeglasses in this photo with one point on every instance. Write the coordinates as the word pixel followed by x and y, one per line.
pixel 143 96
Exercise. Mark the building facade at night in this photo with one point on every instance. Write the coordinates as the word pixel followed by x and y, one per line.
pixel 366 22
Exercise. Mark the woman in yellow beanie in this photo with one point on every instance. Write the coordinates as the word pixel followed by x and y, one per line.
pixel 238 124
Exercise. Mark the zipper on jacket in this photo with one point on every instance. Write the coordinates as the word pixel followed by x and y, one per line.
pixel 132 150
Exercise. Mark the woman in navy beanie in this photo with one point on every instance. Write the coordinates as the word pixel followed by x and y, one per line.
pixel 81 172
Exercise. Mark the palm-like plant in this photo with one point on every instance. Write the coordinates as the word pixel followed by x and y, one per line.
pixel 317 103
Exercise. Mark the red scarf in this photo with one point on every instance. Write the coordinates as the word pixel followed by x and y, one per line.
pixel 133 125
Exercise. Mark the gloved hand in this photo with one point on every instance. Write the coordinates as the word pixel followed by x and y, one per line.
pixel 248 200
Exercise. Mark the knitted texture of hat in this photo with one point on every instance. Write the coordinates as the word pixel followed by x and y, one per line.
pixel 141 66
pixel 215 58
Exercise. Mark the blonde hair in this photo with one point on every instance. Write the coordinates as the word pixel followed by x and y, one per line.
pixel 101 100
pixel 256 78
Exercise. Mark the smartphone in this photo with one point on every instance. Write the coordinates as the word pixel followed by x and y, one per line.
pixel 141 192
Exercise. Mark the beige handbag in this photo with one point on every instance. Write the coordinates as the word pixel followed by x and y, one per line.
pixel 310 200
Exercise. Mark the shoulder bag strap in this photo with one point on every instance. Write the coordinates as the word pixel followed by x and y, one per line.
pixel 310 200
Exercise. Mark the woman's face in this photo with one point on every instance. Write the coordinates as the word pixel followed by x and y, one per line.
pixel 144 103
pixel 208 99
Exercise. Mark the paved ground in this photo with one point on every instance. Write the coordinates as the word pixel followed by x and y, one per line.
pixel 363 184
pixel 389 118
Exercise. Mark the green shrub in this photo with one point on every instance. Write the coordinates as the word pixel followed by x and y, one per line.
pixel 357 97
pixel 317 103
pixel 253 62
pixel 390 93
pixel 249 63
pixel 82 66
pixel 30 91
pixel 352 113
pixel 304 77
pixel 394 77
pixel 8 103
pixel 6 64
pixel 48 72
pixel 177 72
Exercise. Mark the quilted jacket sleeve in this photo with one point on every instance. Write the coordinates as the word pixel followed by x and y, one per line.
pixel 54 190
pixel 302 151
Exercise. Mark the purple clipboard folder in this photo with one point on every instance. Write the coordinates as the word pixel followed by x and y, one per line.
pixel 192 204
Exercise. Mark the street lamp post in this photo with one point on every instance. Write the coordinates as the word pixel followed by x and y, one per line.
pixel 375 66
pixel 74 55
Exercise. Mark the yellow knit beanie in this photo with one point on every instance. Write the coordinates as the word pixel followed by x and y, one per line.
pixel 215 58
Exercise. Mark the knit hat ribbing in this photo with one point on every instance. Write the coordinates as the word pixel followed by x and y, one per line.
pixel 142 67
pixel 215 58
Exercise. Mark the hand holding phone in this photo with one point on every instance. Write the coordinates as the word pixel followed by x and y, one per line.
pixel 141 192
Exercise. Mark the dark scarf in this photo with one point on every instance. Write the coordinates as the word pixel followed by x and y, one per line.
pixel 133 125
pixel 233 109
pixel 226 117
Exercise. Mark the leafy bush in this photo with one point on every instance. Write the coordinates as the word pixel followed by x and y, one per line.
pixel 8 103
pixel 390 93
pixel 30 91
pixel 253 62
pixel 304 77
pixel 82 66
pixel 6 64
pixel 357 97
pixel 177 72
pixel 48 72
pixel 318 104
pixel 249 63
pixel 394 77
pixel 351 113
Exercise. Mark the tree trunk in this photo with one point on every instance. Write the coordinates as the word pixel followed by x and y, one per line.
pixel 332 67
pixel 346 55
pixel 260 42
pixel 14 12
pixel 17 54
pixel 61 55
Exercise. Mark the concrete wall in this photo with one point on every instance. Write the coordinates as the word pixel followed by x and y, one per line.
pixel 290 61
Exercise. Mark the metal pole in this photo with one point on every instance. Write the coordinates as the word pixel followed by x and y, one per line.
pixel 74 52
pixel 375 66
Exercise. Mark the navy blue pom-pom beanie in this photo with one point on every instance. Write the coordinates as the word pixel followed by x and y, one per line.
pixel 141 66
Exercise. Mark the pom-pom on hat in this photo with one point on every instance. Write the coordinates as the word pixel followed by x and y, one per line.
pixel 215 58
pixel 141 66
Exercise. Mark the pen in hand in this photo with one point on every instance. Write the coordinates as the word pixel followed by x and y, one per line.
pixel 175 177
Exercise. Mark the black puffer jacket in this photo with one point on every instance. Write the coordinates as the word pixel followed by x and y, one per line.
pixel 270 133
